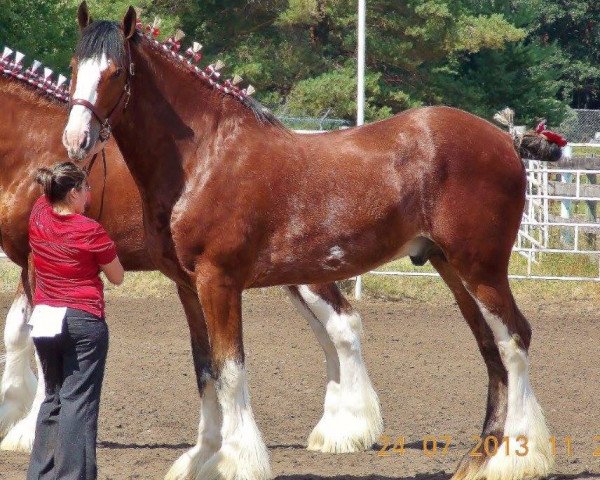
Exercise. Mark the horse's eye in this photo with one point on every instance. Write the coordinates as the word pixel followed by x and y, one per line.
pixel 117 73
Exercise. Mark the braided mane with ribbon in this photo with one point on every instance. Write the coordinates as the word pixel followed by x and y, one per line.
pixel 42 78
pixel 37 76
pixel 210 74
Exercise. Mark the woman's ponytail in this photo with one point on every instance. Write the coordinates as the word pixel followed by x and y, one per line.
pixel 58 181
pixel 44 178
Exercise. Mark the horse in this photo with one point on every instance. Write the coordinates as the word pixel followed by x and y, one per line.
pixel 32 118
pixel 234 200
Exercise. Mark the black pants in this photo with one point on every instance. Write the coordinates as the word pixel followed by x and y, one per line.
pixel 73 363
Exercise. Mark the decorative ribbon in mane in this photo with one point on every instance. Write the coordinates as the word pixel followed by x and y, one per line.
pixel 538 144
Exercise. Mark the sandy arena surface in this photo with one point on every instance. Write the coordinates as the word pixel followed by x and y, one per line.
pixel 422 359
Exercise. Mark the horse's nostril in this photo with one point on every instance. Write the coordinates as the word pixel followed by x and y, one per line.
pixel 84 142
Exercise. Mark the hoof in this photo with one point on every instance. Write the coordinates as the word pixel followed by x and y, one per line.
pixel 348 429
pixel 20 437
pixel 189 464
pixel 536 464
pixel 231 464
pixel 228 463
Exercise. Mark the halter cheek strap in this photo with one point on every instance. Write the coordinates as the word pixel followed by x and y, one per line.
pixel 106 122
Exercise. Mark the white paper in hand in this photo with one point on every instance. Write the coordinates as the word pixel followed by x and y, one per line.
pixel 47 321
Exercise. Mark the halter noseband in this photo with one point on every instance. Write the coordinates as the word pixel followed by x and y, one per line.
pixel 106 123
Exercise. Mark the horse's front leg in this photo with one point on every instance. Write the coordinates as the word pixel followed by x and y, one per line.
pixel 229 445
pixel 18 381
pixel 243 455
pixel 352 417
pixel 190 463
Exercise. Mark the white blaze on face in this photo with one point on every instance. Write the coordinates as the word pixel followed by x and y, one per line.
pixel 78 136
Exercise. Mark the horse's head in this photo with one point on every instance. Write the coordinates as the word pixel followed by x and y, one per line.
pixel 101 69
pixel 543 144
pixel 537 144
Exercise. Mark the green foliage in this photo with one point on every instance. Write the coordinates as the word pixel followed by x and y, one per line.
pixel 534 56
pixel 334 91
pixel 575 27
pixel 42 29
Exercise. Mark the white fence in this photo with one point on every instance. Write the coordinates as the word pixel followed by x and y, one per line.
pixel 560 219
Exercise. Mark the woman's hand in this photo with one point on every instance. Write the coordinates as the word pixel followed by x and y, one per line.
pixel 114 271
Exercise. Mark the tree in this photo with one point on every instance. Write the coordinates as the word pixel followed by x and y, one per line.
pixel 300 54
pixel 42 29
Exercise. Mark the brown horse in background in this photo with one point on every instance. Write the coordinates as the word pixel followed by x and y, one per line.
pixel 233 200
pixel 31 122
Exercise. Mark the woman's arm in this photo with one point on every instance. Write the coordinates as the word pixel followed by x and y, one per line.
pixel 114 271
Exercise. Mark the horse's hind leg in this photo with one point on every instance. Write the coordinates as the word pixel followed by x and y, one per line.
pixel 18 381
pixel 352 418
pixel 513 416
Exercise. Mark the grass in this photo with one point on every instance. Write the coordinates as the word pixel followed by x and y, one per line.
pixel 394 288
pixel 585 151
pixel 429 288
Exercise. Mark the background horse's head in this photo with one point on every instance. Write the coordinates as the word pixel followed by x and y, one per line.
pixel 537 144
pixel 101 68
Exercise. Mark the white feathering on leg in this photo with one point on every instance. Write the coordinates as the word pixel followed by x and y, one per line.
pixel 188 466
pixel 352 419
pixel 243 454
pixel 20 437
pixel 524 417
pixel 18 381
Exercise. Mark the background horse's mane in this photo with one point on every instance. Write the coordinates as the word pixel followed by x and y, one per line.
pixel 107 37
pixel 37 77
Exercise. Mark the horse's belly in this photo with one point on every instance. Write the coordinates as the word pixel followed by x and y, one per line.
pixel 313 262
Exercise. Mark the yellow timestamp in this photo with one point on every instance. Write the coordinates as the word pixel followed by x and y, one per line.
pixel 489 446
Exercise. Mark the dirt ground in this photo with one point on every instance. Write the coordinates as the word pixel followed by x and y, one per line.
pixel 422 359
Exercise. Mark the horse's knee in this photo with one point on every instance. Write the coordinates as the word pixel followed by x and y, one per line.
pixel 345 330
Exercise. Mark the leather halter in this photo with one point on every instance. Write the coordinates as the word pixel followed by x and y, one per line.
pixel 122 102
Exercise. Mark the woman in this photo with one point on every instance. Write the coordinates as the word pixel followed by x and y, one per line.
pixel 69 332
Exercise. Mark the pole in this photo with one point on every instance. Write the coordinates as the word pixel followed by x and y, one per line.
pixel 360 97
pixel 360 94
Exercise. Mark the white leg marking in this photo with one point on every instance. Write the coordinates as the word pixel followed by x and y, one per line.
pixel 352 417
pixel 229 444
pixel 190 463
pixel 525 423
pixel 20 437
pixel 18 381
pixel 243 454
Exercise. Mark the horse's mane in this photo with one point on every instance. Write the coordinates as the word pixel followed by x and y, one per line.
pixel 106 37
pixel 37 77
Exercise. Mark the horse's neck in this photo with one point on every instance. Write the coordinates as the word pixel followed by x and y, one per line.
pixel 30 124
pixel 171 119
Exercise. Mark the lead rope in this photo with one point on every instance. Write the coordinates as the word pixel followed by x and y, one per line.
pixel 88 171
pixel 103 184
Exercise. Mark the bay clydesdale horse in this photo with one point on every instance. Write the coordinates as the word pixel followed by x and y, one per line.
pixel 233 200
pixel 32 117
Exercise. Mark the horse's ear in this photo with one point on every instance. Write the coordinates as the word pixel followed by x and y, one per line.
pixel 83 15
pixel 129 23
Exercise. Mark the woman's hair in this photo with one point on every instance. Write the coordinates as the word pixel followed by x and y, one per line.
pixel 59 180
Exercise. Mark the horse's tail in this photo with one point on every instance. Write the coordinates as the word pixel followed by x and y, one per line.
pixel 538 144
